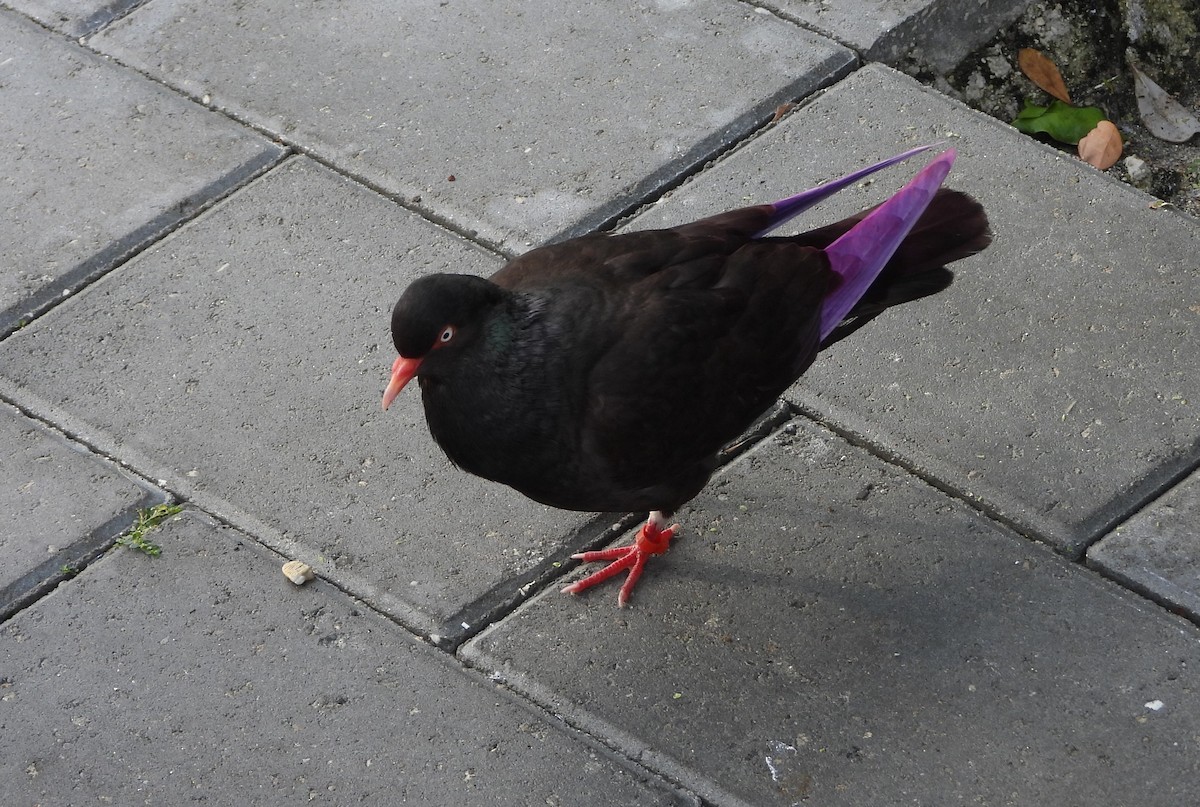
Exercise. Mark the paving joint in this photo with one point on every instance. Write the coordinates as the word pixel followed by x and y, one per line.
pixel 42 579
pixel 1131 583
pixel 673 773
pixel 893 458
pixel 647 192
pixel 293 148
pixel 113 12
pixel 636 210
pixel 639 197
pixel 505 597
pixel 783 14
pixel 123 250
pixel 634 751
pixel 1079 558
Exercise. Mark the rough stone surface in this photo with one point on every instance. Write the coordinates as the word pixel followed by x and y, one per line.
pixel 76 18
pixel 1157 551
pixel 97 161
pixel 203 675
pixel 1055 380
pixel 517 122
pixel 61 506
pixel 830 630
pixel 936 33
pixel 254 348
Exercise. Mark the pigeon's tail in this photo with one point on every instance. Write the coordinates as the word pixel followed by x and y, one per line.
pixel 859 255
pixel 953 226
pixel 787 209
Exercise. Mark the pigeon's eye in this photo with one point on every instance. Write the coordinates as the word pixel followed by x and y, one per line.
pixel 447 334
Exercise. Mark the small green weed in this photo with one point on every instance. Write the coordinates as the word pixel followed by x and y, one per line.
pixel 147 519
pixel 1193 172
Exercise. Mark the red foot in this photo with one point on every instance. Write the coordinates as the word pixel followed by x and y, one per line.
pixel 652 539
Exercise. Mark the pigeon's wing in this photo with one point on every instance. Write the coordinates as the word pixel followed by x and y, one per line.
pixel 694 354
pixel 615 260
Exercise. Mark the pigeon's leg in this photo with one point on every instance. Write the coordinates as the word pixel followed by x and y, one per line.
pixel 652 539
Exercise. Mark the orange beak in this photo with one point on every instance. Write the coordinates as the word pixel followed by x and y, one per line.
pixel 403 371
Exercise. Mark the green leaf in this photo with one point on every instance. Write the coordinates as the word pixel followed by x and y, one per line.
pixel 1064 122
pixel 148 519
pixel 1031 110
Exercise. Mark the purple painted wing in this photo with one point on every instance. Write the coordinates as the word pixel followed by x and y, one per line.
pixel 787 209
pixel 861 253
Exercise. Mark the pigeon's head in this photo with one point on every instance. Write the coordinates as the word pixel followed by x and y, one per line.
pixel 437 316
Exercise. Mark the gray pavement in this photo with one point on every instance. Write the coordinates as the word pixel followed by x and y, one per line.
pixel 442 106
pixel 66 507
pixel 74 124
pixel 957 565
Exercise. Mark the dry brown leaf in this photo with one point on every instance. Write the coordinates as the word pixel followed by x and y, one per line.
pixel 782 110
pixel 1163 115
pixel 1102 146
pixel 1042 72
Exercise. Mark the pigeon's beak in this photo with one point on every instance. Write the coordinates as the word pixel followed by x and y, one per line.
pixel 403 371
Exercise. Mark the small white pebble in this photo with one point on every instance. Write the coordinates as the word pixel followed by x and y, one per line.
pixel 298 572
pixel 1138 171
pixel 1155 705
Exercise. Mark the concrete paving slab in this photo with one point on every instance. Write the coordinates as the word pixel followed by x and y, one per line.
pixel 242 361
pixel 62 507
pixel 1157 551
pixel 517 123
pixel 204 675
pixel 831 630
pixel 97 162
pixel 76 18
pixel 934 33
pixel 1056 381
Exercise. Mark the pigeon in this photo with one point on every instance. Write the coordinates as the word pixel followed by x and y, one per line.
pixel 607 372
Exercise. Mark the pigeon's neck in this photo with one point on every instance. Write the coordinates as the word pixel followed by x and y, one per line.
pixel 504 400
pixel 515 326
pixel 520 346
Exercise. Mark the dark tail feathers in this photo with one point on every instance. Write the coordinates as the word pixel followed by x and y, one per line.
pixel 952 227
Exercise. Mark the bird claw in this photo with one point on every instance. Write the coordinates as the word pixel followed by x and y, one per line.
pixel 652 539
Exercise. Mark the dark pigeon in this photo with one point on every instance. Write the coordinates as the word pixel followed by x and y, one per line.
pixel 607 372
